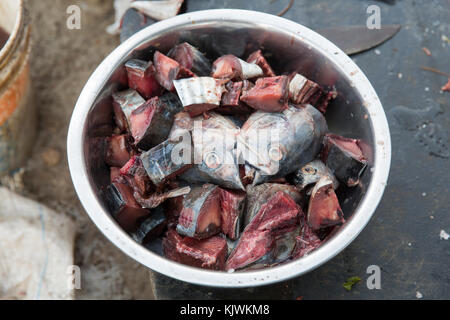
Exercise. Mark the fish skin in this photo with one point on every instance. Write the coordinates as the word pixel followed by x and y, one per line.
pixel 200 217
pixel 257 196
pixel 141 77
pixel 136 176
pixel 122 205
pixel 283 247
pixel 152 227
pixel 206 253
pixel 199 94
pixel 231 103
pixel 258 58
pixel 168 70
pixel 159 165
pixel 279 215
pixel 152 122
pixel 324 209
pixel 311 173
pixel 295 135
pixel 124 103
pixel 191 58
pixel 230 67
pixel 270 94
pixel 215 138
pixel 345 158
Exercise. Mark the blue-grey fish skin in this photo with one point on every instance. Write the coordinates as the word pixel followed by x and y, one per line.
pixel 311 173
pixel 217 135
pixel 297 133
pixel 194 202
pixel 151 227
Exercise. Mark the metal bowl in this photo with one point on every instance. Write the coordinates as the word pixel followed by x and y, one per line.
pixel 357 113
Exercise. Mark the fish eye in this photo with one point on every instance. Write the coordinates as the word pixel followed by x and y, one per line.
pixel 275 153
pixel 212 160
pixel 309 170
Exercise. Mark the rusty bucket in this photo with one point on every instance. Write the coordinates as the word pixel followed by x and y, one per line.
pixel 17 114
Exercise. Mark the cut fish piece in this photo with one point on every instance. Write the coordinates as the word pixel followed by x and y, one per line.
pixel 303 90
pixel 191 58
pixel 215 155
pixel 136 176
pixel 268 94
pixel 231 103
pixel 151 123
pixel 345 158
pixel 152 227
pixel 141 77
pixel 258 58
pixel 208 253
pixel 162 162
pixel 124 103
pixel 123 206
pixel 324 209
pixel 232 68
pixel 278 143
pixel 232 204
pixel 278 216
pixel 199 94
pixel 168 70
pixel 119 150
pixel 257 196
pixel 201 215
pixel 311 173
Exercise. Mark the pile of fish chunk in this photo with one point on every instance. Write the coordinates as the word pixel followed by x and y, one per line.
pixel 230 164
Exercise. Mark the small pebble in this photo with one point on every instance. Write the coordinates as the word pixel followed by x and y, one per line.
pixel 419 295
pixel 431 217
pixel 51 157
pixel 444 235
pixel 409 244
pixel 377 52
pixel 400 75
pixel 424 194
pixel 427 89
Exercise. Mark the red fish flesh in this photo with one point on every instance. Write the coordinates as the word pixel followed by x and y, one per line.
pixel 268 94
pixel 231 103
pixel 201 216
pixel 168 70
pixel 136 176
pixel 208 253
pixel 119 150
pixel 124 103
pixel 306 241
pixel 232 68
pixel 279 215
pixel 151 123
pixel 324 209
pixel 123 206
pixel 345 158
pixel 303 90
pixel 191 58
pixel 141 77
pixel 258 59
pixel 232 205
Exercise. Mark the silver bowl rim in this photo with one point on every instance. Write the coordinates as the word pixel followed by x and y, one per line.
pixel 104 221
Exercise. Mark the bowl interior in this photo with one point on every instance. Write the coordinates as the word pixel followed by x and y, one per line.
pixel 286 51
